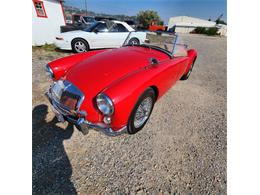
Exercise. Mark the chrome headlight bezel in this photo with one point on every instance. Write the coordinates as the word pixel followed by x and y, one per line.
pixel 105 104
pixel 49 71
pixel 58 88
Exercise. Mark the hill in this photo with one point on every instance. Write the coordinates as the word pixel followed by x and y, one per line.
pixel 69 10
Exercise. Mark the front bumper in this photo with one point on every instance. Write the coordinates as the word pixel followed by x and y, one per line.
pixel 82 124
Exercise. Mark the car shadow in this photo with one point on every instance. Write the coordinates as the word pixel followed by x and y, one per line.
pixel 63 51
pixel 51 168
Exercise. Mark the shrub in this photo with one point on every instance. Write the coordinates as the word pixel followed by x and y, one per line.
pixel 212 31
pixel 199 30
pixel 207 31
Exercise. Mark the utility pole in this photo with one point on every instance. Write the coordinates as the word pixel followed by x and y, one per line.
pixel 86 7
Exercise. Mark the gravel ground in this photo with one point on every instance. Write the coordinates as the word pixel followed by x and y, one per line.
pixel 181 150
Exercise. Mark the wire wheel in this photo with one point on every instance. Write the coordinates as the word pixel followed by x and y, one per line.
pixel 143 112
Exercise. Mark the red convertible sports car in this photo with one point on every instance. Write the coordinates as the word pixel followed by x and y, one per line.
pixel 114 90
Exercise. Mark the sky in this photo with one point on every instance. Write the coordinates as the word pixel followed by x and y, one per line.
pixel 204 9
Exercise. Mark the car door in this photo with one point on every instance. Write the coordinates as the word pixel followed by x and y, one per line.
pixel 118 34
pixel 99 37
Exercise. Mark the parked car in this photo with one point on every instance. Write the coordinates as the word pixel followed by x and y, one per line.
pixel 154 26
pixel 114 90
pixel 102 34
pixel 78 22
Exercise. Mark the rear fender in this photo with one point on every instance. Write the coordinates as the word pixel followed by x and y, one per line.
pixel 192 55
pixel 62 65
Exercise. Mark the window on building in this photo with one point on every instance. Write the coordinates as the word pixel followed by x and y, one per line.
pixel 39 8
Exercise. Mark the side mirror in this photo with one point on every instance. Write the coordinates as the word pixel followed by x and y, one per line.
pixel 96 31
pixel 153 61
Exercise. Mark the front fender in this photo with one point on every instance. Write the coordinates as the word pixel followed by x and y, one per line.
pixel 126 91
pixel 61 66
pixel 124 95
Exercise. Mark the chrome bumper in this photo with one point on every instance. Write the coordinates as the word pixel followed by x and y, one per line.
pixel 82 124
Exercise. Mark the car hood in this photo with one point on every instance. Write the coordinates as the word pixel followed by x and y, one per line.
pixel 96 73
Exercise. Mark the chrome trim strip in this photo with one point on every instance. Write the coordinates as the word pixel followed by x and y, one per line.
pixel 106 130
pixel 84 125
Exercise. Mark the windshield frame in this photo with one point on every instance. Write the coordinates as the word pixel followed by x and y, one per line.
pixel 169 53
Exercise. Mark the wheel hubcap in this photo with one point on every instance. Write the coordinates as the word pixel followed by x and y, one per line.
pixel 143 112
pixel 133 42
pixel 80 46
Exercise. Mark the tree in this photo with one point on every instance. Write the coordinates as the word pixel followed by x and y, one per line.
pixel 161 23
pixel 147 16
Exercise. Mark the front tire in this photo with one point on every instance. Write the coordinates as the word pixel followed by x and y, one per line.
pixel 79 45
pixel 141 112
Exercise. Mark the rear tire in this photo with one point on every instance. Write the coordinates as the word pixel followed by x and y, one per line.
pixel 186 76
pixel 134 41
pixel 79 45
pixel 141 112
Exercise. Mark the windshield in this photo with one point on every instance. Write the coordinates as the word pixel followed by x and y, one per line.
pixel 107 26
pixel 165 42
pixel 88 19
pixel 91 27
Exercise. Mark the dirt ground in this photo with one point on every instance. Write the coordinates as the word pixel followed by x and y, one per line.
pixel 181 150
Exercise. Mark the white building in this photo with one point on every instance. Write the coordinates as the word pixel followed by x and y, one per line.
pixel 47 17
pixel 186 24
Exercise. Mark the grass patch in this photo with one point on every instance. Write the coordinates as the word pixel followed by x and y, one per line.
pixel 45 47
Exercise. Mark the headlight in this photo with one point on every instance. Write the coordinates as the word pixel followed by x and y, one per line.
pixel 105 104
pixel 49 71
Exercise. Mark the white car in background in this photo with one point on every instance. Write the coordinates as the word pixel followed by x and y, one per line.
pixel 102 34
